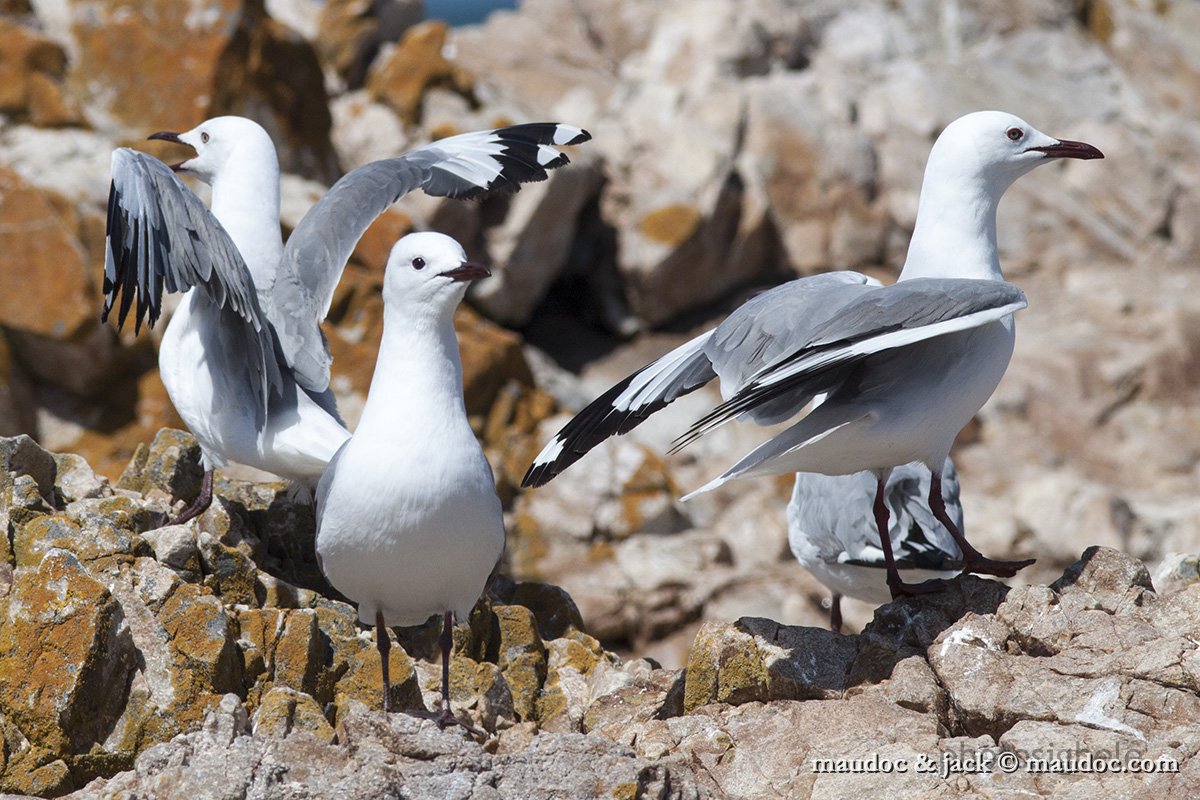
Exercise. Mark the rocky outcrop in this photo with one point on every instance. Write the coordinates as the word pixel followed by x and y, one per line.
pixel 212 659
pixel 735 144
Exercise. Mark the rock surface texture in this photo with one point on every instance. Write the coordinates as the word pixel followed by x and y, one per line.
pixel 736 144
pixel 210 660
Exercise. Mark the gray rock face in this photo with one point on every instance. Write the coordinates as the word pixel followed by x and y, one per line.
pixel 189 660
pixel 736 143
pixel 397 756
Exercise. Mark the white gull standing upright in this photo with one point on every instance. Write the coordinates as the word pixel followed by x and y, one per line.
pixel 831 531
pixel 408 521
pixel 243 357
pixel 905 367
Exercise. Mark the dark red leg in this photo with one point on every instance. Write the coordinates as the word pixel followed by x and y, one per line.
pixel 446 640
pixel 897 586
pixel 200 504
pixel 446 715
pixel 835 612
pixel 384 643
pixel 973 560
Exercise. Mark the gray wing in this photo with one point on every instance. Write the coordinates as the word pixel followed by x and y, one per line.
pixel 833 513
pixel 464 166
pixel 870 322
pixel 775 324
pixel 623 407
pixel 161 236
pixel 758 332
pixel 918 539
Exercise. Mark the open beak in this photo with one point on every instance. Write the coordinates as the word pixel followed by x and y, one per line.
pixel 1065 148
pixel 170 136
pixel 467 271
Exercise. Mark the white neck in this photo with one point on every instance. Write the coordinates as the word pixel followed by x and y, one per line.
pixel 418 374
pixel 955 234
pixel 245 199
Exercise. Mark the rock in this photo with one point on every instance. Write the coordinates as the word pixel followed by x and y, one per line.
pixel 818 174
pixel 53 296
pixel 75 480
pixel 170 466
pixel 564 699
pixel 21 455
pixel 224 754
pixel 32 67
pixel 1040 657
pixel 203 648
pixel 272 75
pixel 64 650
pixel 1177 571
pixel 363 680
pixel 757 659
pixel 351 33
pixel 520 655
pixel 285 711
pixel 175 546
pixel 416 65
pixel 238 61
pixel 478 688
pixel 553 609
pixel 628 490
pixel 229 571
pixel 90 530
pixel 533 243
pixel 491 357
pixel 622 714
pixel 18 413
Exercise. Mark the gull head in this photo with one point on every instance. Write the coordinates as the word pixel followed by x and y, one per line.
pixel 429 270
pixel 996 148
pixel 219 142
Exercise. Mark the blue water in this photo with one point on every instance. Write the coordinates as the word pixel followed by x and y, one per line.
pixel 464 12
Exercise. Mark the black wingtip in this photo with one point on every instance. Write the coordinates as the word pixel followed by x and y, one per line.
pixel 537 476
pixel 580 138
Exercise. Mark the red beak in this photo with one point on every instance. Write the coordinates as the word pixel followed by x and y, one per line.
pixel 468 271
pixel 170 136
pixel 1065 148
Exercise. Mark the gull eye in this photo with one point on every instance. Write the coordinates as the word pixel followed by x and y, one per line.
pixel 203 137
pixel 418 263
pixel 1015 134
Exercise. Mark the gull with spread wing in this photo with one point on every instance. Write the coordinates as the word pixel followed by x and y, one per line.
pixel 243 357
pixel 904 367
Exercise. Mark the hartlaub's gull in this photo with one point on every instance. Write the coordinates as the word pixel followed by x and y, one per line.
pixel 905 366
pixel 408 521
pixel 243 358
pixel 832 532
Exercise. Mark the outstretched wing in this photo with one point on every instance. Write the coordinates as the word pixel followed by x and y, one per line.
pixel 872 322
pixel 464 166
pixel 758 333
pixel 623 407
pixel 160 237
